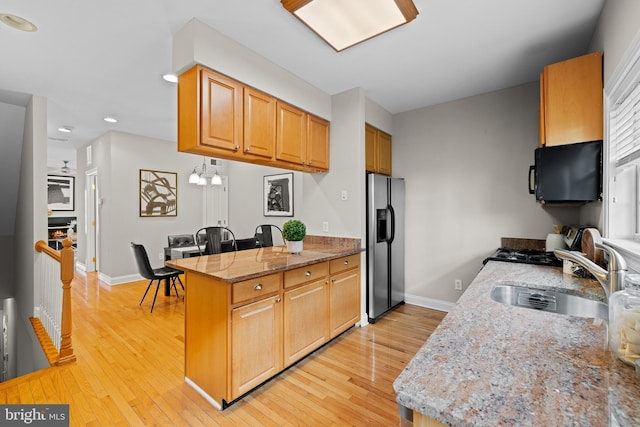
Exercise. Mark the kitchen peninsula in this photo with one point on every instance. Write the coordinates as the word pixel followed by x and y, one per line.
pixel 490 364
pixel 251 314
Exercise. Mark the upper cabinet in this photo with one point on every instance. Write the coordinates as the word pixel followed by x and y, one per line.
pixel 377 150
pixel 301 138
pixel 221 117
pixel 571 101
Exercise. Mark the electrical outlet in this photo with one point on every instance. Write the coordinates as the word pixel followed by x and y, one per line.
pixel 457 284
pixel 160 256
pixel 343 195
pixel 325 226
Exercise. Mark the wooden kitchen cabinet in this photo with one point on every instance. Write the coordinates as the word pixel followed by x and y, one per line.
pixel 223 118
pixel 377 150
pixel 571 101
pixel 304 308
pixel 344 296
pixel 238 335
pixel 301 138
pixel 259 123
pixel 256 344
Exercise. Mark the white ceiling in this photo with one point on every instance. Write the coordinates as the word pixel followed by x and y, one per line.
pixel 92 59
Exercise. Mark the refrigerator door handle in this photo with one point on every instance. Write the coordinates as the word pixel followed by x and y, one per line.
pixel 392 223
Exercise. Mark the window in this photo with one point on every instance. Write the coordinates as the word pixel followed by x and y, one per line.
pixel 622 124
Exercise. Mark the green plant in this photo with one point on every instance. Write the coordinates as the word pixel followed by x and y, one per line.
pixel 294 230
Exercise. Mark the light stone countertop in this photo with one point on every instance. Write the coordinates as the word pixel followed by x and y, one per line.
pixel 489 364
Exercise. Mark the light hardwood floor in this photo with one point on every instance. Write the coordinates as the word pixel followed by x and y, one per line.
pixel 130 369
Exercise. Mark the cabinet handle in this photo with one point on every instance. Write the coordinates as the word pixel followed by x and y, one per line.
pixel 326 282
pixel 309 163
pixel 237 147
pixel 333 280
pixel 346 262
pixel 247 149
pixel 278 299
pixel 307 273
pixel 258 287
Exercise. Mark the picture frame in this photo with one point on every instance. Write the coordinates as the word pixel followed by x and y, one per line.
pixel 61 193
pixel 278 194
pixel 158 193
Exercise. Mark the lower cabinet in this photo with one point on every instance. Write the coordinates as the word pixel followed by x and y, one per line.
pixel 305 308
pixel 256 344
pixel 239 335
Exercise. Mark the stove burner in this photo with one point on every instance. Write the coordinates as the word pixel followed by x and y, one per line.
pixel 526 256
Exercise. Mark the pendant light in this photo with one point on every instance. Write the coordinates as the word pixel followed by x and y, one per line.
pixel 216 179
pixel 201 178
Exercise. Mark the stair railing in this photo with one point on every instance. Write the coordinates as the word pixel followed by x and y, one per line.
pixel 54 307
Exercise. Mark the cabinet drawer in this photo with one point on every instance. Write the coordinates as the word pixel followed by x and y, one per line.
pixel 345 263
pixel 305 274
pixel 254 288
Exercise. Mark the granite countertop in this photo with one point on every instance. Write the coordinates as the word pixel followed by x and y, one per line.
pixel 490 364
pixel 233 267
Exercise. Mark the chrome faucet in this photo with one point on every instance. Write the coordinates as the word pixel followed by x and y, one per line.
pixel 611 279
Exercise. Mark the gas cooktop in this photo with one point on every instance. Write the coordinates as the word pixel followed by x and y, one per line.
pixel 525 256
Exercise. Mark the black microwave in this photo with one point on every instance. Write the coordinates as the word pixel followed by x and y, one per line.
pixel 569 173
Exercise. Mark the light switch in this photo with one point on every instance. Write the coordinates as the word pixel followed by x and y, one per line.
pixel 343 195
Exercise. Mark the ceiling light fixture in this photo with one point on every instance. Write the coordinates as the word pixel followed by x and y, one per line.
pixel 343 24
pixel 110 119
pixel 200 178
pixel 17 22
pixel 171 78
pixel 65 129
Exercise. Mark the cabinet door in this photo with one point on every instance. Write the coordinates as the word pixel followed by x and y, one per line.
pixel 305 320
pixel 384 153
pixel 221 111
pixel 259 123
pixel 573 100
pixel 344 300
pixel 256 344
pixel 370 148
pixel 317 142
pixel 291 134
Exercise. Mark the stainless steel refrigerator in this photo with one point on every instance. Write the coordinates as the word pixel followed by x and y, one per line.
pixel 385 244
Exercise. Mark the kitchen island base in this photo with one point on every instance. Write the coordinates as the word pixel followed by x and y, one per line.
pixel 239 334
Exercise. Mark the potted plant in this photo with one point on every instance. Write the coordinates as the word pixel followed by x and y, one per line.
pixel 293 231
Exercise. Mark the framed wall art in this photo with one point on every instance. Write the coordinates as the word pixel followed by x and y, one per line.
pixel 278 194
pixel 61 191
pixel 158 193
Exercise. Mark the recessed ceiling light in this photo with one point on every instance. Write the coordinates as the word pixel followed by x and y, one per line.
pixel 65 129
pixel 110 119
pixel 171 78
pixel 17 22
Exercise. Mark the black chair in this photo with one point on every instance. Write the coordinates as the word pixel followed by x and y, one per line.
pixel 248 243
pixel 215 240
pixel 267 234
pixel 159 274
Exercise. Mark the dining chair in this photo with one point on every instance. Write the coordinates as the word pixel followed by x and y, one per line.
pixel 248 243
pixel 215 240
pixel 269 235
pixel 168 274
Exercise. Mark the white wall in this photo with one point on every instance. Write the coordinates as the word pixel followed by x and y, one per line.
pixel 118 159
pixel 465 164
pixel 31 225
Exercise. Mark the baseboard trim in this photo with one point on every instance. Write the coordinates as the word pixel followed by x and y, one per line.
pixel 119 280
pixel 431 303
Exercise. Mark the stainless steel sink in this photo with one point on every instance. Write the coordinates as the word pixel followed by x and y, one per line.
pixel 553 301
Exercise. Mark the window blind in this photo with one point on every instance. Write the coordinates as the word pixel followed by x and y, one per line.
pixel 625 127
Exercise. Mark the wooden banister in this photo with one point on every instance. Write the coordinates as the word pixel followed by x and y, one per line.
pixel 66 259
